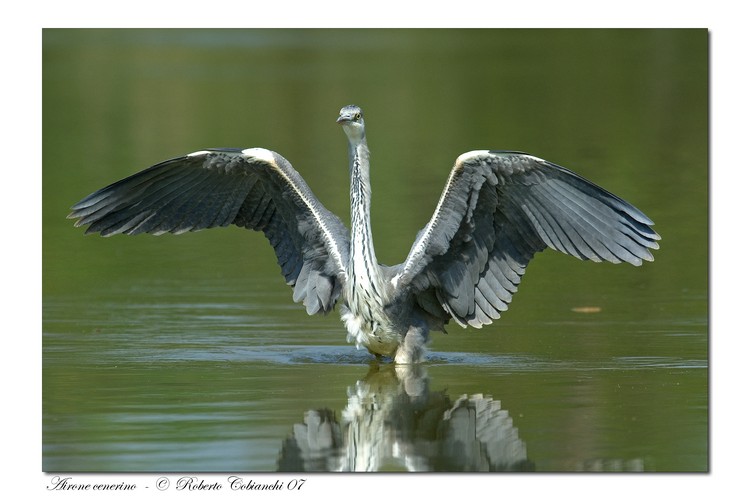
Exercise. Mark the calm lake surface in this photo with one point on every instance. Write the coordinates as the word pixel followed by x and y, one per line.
pixel 186 353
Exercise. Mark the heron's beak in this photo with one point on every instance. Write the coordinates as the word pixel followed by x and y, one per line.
pixel 342 119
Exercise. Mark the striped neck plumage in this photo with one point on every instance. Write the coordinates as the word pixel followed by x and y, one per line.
pixel 363 263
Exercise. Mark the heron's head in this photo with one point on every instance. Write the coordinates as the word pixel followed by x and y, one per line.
pixel 353 122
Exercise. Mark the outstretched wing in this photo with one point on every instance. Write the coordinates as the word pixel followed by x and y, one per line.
pixel 252 188
pixel 497 210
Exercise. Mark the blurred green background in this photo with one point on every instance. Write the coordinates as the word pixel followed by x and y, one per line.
pixel 174 353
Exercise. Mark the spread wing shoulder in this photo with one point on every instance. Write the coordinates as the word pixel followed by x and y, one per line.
pixel 496 211
pixel 253 188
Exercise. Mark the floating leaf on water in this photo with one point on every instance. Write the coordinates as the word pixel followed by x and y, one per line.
pixel 587 309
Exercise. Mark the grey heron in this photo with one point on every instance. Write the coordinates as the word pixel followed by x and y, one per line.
pixel 498 209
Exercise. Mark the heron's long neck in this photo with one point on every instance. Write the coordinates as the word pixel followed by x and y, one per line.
pixel 363 265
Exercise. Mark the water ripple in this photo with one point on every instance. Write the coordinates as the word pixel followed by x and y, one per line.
pixel 346 355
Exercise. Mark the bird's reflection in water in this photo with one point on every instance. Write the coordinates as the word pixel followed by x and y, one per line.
pixel 392 421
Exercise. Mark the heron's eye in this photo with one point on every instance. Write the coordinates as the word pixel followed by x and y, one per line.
pixel 357 116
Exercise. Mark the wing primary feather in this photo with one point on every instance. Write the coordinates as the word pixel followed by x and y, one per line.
pixel 606 232
pixel 609 214
pixel 499 282
pixel 152 200
pixel 132 184
pixel 188 210
pixel 547 226
pixel 231 204
pixel 191 203
pixel 184 214
pixel 494 303
pixel 214 198
pixel 572 222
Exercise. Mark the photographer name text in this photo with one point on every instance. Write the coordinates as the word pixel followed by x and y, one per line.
pixel 183 483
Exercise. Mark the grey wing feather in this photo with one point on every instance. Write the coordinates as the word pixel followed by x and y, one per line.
pixel 497 210
pixel 256 189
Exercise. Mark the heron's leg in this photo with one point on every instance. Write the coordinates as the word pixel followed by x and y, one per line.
pixel 411 349
pixel 414 379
